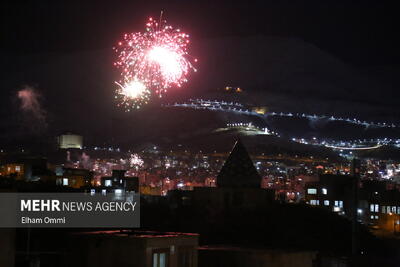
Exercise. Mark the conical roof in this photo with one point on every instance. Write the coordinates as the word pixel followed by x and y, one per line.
pixel 238 170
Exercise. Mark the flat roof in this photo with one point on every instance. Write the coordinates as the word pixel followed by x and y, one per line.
pixel 252 248
pixel 138 233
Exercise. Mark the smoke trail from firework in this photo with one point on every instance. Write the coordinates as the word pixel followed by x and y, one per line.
pixel 85 161
pixel 30 104
pixel 157 58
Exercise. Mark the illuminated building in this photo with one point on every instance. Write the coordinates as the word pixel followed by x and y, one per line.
pixel 67 141
pixel 260 110
pixel 381 207
pixel 332 192
pixel 118 181
pixel 377 206
pixel 25 168
pixel 13 169
pixel 75 178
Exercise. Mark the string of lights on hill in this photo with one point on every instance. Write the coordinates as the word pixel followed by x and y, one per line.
pixel 239 108
pixel 247 128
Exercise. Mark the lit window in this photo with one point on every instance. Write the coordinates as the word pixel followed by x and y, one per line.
pixel 326 202
pixel 103 192
pixel 374 217
pixel 336 209
pixel 324 191
pixel 394 209
pixel 160 258
pixel 383 209
pixel 374 207
pixel 118 191
pixel 17 168
pixel 92 192
pixel 314 202
pixel 107 182
pixel 65 181
pixel 388 209
pixel 311 191
pixel 398 210
pixel 339 203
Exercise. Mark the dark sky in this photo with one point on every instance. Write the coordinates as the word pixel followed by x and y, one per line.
pixel 359 32
pixel 280 51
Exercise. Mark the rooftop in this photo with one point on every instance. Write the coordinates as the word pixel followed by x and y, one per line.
pixel 138 234
pixel 238 170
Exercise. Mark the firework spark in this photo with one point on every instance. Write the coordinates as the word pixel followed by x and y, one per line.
pixel 132 95
pixel 136 161
pixel 157 58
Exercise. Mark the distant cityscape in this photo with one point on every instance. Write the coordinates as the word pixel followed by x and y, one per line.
pixel 179 178
pixel 159 171
pixel 200 134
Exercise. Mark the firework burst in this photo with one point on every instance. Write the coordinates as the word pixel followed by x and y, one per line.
pixel 135 161
pixel 132 95
pixel 157 58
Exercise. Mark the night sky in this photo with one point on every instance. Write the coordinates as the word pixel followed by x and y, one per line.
pixel 337 57
pixel 361 32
